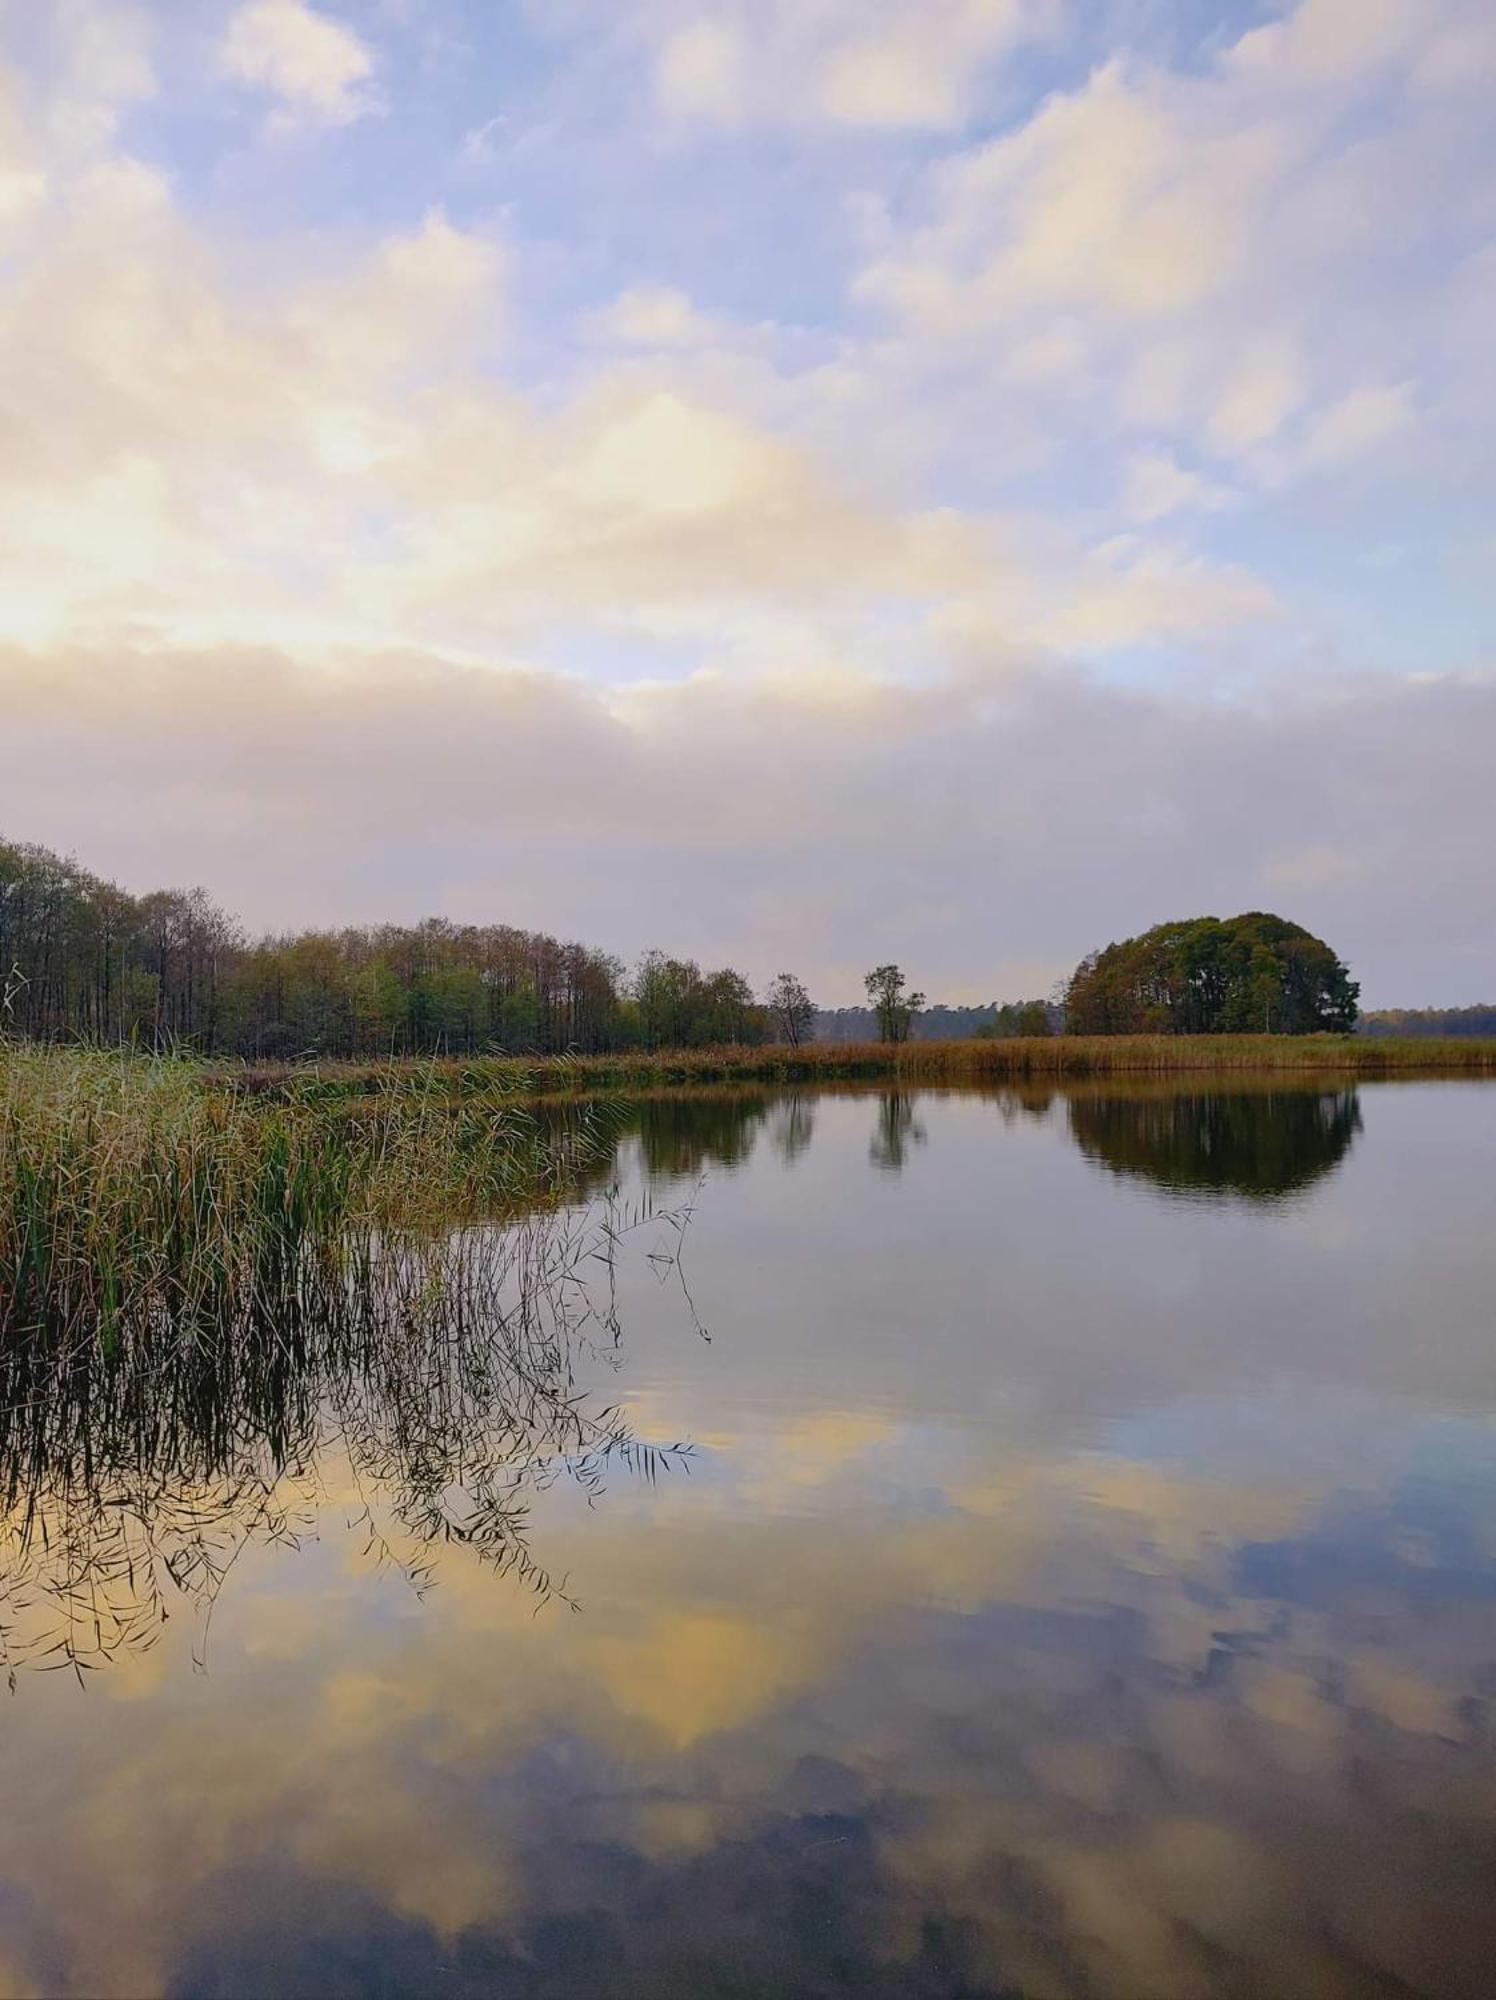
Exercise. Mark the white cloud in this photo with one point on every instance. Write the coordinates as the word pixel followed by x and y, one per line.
pixel 23 181
pixel 292 544
pixel 891 64
pixel 1258 398
pixel 317 67
pixel 1330 41
pixel 1357 423
pixel 1208 255
pixel 107 65
pixel 480 144
pixel 652 316
pixel 1134 591
pixel 1157 485
pixel 702 70
pixel 339 461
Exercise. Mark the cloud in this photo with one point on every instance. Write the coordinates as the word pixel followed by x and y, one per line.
pixel 1157 486
pixel 1358 423
pixel 1139 591
pixel 107 66
pixel 297 565
pixel 318 68
pixel 336 458
pixel 773 822
pixel 23 181
pixel 652 316
pixel 1207 254
pixel 889 64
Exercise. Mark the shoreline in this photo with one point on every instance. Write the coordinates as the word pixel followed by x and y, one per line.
pixel 931 1062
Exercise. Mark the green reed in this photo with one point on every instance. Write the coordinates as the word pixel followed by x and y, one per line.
pixel 136 1199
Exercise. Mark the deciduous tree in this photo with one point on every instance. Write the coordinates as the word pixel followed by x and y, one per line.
pixel 893 1005
pixel 792 1012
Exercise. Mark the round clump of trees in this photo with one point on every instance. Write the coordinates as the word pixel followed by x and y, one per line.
pixel 1253 974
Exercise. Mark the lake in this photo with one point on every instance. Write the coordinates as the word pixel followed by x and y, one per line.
pixel 1045 1544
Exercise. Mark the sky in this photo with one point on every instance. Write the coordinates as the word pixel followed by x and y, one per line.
pixel 797 483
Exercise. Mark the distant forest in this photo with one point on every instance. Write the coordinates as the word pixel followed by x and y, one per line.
pixel 946 1024
pixel 1429 1021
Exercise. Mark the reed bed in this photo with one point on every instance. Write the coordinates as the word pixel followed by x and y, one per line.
pixel 517 1078
pixel 135 1199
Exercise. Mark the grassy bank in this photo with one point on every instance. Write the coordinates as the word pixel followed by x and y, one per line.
pixel 515 1078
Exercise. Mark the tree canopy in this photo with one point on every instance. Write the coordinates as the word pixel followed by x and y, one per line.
pixel 1251 974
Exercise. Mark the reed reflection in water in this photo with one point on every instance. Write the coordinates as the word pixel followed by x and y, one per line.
pixel 438 1377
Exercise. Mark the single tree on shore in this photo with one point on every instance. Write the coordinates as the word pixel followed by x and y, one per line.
pixel 893 1005
pixel 791 1009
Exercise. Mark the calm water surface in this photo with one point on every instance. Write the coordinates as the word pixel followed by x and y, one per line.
pixel 1080 1583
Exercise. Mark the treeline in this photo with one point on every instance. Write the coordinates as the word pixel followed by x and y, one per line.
pixel 82 959
pixel 946 1024
pixel 1430 1021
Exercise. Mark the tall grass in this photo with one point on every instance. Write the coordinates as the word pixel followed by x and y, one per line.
pixel 969 1061
pixel 135 1200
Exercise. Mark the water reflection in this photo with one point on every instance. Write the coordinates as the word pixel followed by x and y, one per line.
pixel 897 1133
pixel 1072 1595
pixel 448 1406
pixel 1261 1144
pixel 678 1137
pixel 794 1125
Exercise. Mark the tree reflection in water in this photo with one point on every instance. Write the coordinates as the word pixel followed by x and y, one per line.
pixel 1263 1145
pixel 897 1132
